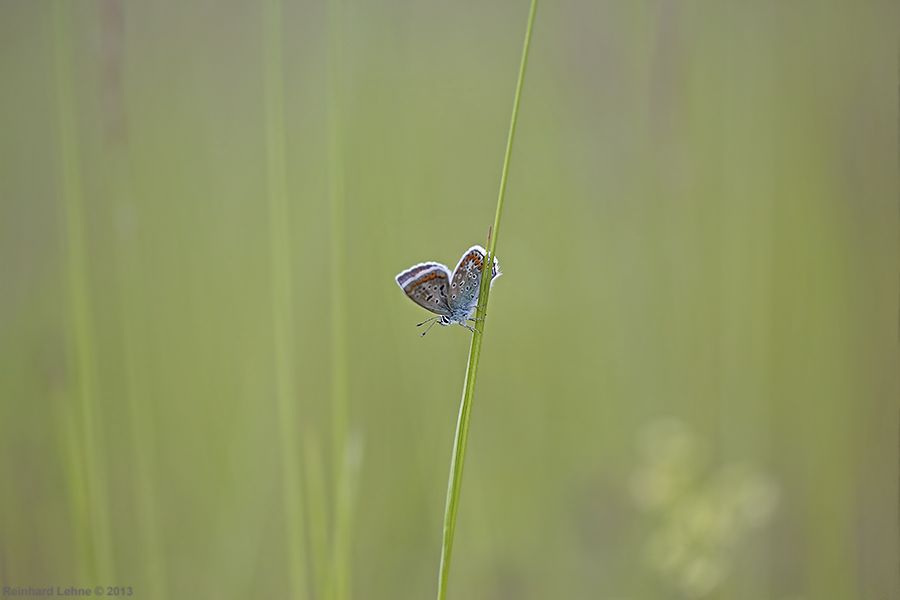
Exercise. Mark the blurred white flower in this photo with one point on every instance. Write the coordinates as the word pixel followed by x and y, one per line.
pixel 702 575
pixel 672 457
pixel 665 441
pixel 703 519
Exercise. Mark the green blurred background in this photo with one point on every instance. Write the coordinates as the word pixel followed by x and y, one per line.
pixel 212 387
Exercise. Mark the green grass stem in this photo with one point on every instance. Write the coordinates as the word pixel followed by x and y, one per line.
pixel 317 507
pixel 339 587
pixel 282 302
pixel 465 410
pixel 71 451
pixel 131 295
pixel 83 347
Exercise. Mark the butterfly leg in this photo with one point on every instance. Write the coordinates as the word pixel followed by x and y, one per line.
pixel 426 320
pixel 479 306
pixel 472 329
pixel 429 327
pixel 476 318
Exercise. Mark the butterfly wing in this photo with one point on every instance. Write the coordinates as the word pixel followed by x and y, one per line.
pixel 466 280
pixel 428 285
pixel 410 274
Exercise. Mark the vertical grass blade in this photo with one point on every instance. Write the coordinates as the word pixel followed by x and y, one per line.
pixel 83 349
pixel 282 302
pixel 71 449
pixel 317 511
pixel 142 424
pixel 130 294
pixel 341 477
pixel 465 409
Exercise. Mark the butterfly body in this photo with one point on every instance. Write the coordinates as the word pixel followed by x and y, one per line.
pixel 451 296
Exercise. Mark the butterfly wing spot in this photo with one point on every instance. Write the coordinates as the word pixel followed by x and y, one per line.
pixel 426 288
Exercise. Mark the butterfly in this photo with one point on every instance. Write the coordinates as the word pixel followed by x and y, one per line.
pixel 453 297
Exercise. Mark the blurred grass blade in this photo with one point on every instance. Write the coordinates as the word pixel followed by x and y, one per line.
pixel 282 302
pixel 131 295
pixel 317 511
pixel 80 303
pixel 340 560
pixel 72 458
pixel 343 526
pixel 465 410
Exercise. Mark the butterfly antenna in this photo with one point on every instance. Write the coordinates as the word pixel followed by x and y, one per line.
pixel 426 320
pixel 429 327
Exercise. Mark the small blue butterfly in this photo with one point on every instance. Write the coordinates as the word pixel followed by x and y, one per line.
pixel 453 297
